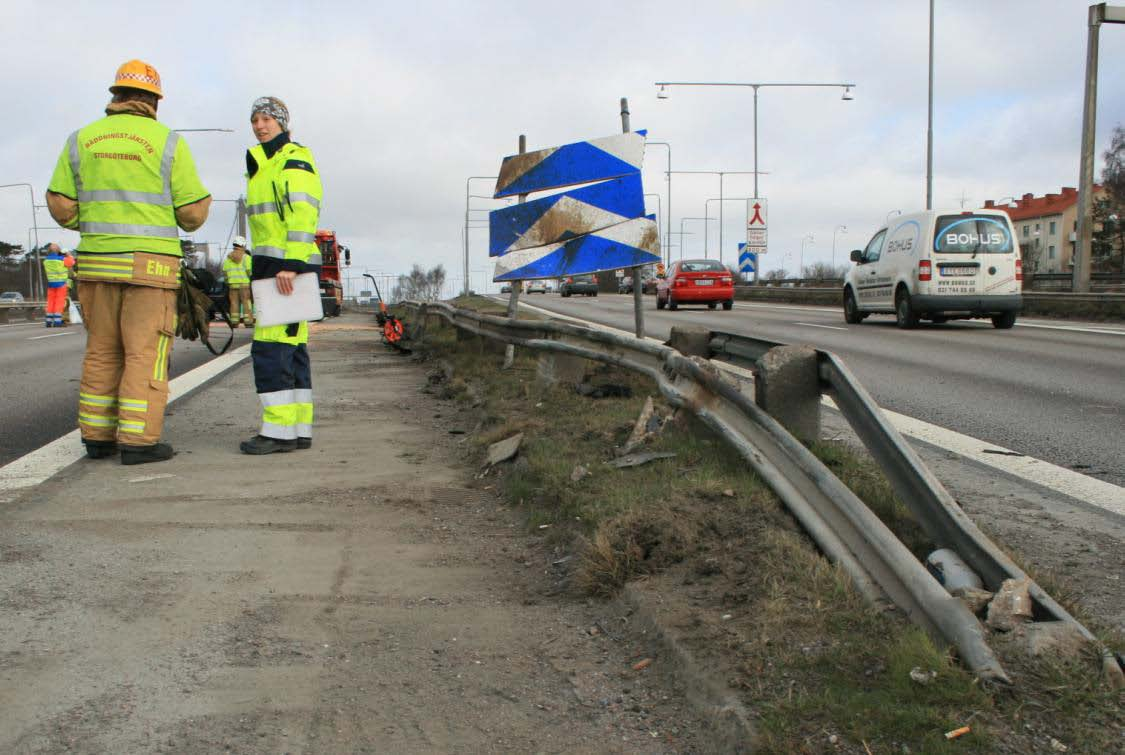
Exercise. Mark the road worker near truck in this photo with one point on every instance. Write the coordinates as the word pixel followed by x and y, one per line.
pixel 236 270
pixel 126 182
pixel 55 268
pixel 283 194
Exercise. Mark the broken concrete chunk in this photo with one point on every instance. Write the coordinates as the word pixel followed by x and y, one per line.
pixel 635 460
pixel 504 449
pixel 975 599
pixel 1011 606
pixel 1052 637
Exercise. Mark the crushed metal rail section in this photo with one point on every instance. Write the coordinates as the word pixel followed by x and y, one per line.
pixel 842 525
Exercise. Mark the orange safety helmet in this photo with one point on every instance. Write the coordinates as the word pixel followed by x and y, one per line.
pixel 137 74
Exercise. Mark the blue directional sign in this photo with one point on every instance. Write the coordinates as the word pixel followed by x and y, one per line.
pixel 564 216
pixel 571 164
pixel 747 261
pixel 634 242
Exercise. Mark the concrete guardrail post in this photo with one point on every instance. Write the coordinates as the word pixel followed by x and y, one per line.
pixel 787 387
pixel 554 367
pixel 691 341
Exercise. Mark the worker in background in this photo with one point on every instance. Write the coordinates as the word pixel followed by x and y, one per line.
pixel 283 194
pixel 236 269
pixel 71 288
pixel 54 268
pixel 125 182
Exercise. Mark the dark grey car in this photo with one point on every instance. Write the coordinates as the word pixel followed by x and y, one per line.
pixel 579 284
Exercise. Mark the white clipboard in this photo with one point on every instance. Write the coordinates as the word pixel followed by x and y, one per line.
pixel 271 307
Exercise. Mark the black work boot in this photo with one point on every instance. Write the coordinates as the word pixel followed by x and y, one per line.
pixel 260 444
pixel 100 449
pixel 303 443
pixel 146 454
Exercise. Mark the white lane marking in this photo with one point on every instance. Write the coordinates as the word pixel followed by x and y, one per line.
pixel 1019 323
pixel 1100 493
pixel 814 325
pixel 21 324
pixel 1100 331
pixel 40 464
pixel 52 335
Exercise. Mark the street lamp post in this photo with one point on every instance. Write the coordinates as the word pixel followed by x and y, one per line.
pixel 707 213
pixel 469 180
pixel 682 231
pixel 801 262
pixel 892 212
pixel 658 221
pixel 668 178
pixel 721 174
pixel 34 222
pixel 843 228
pixel 662 94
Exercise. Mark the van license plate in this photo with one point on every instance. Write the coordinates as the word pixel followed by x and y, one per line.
pixel 959 271
pixel 705 283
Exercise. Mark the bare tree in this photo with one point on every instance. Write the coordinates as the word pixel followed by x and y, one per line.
pixel 1109 243
pixel 419 284
pixel 776 275
pixel 822 271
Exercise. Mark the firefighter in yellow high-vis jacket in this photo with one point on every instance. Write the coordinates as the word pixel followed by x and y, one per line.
pixel 236 270
pixel 283 194
pixel 127 183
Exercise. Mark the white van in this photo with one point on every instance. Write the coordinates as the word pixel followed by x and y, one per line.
pixel 938 265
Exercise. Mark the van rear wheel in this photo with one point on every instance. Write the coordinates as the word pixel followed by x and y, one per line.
pixel 905 315
pixel 1004 321
pixel 852 315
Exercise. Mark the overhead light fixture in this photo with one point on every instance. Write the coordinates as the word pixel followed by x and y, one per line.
pixel 848 96
pixel 662 94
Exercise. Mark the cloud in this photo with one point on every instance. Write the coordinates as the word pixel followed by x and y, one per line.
pixel 400 102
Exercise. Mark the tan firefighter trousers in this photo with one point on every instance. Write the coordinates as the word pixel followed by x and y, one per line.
pixel 241 308
pixel 124 384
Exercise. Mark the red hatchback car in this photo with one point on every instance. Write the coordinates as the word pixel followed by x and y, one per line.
pixel 696 282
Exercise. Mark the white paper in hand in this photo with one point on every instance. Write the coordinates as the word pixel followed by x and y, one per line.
pixel 271 307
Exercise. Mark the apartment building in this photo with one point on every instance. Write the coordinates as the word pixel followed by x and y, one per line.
pixel 1046 228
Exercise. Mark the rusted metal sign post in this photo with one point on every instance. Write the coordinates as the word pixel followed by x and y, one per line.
pixel 638 279
pixel 514 297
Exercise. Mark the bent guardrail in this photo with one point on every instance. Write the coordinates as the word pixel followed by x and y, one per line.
pixel 843 527
pixel 935 509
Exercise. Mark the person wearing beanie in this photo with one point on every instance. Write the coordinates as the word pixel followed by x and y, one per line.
pixel 283 195
pixel 127 183
pixel 236 269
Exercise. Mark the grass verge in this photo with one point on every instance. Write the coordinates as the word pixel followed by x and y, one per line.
pixel 758 605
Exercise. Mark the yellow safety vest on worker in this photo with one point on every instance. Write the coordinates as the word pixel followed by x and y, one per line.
pixel 127 216
pixel 55 269
pixel 237 272
pixel 283 196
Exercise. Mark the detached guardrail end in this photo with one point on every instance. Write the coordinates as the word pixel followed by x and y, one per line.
pixel 691 341
pixel 787 387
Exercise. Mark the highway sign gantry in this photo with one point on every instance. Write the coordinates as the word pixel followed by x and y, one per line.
pixel 564 216
pixel 571 164
pixel 629 244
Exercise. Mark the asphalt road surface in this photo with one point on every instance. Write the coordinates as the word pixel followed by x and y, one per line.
pixel 1050 389
pixel 39 373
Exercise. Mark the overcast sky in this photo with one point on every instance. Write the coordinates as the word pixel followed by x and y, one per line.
pixel 400 102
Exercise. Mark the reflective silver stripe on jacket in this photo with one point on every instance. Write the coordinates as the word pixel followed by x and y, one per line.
pixel 75 163
pixel 121 195
pixel 301 196
pixel 128 229
pixel 269 251
pixel 308 238
pixel 260 208
pixel 166 161
pixel 315 259
pixel 302 396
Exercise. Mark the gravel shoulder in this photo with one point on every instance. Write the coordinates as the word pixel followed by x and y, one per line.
pixel 360 596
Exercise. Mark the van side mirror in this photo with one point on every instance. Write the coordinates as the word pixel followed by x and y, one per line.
pixel 857 255
pixel 347 257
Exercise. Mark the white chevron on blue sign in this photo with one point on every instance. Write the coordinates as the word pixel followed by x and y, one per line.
pixel 564 216
pixel 634 242
pixel 571 164
pixel 747 261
